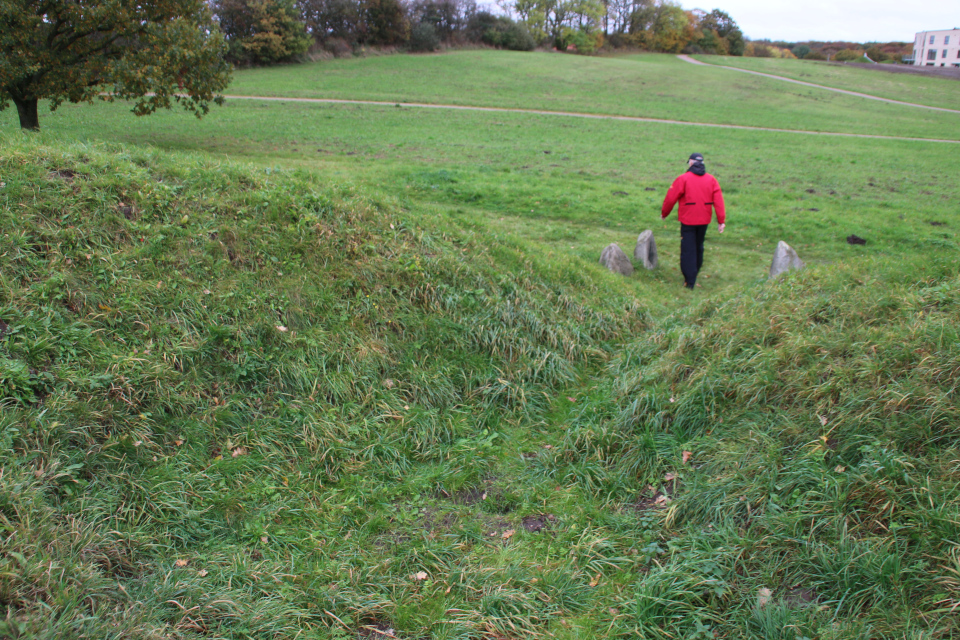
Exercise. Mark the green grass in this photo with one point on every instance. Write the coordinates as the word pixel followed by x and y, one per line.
pixel 933 91
pixel 371 377
pixel 650 85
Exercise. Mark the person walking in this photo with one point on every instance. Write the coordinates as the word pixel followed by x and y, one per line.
pixel 699 194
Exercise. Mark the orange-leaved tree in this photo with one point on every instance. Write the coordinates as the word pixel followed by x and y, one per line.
pixel 156 53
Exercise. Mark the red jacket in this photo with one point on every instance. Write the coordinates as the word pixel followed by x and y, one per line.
pixel 696 195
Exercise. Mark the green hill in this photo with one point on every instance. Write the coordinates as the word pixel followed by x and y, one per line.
pixel 377 386
pixel 239 404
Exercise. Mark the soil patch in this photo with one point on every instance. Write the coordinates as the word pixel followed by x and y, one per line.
pixel 936 223
pixel 66 175
pixel 800 597
pixel 533 524
pixel 855 239
pixel 376 630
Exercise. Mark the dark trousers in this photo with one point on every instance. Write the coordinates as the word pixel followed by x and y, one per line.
pixel 691 251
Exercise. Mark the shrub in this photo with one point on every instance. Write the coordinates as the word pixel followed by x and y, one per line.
pixel 339 47
pixel 848 55
pixel 499 31
pixel 424 37
pixel 801 51
pixel 814 55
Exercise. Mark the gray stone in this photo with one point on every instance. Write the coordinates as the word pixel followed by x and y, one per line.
pixel 784 259
pixel 646 250
pixel 616 260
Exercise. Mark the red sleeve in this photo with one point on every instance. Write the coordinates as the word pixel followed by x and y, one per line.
pixel 673 194
pixel 718 203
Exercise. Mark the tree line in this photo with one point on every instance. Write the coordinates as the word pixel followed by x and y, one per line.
pixel 269 31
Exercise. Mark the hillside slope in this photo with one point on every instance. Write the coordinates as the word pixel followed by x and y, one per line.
pixel 193 357
pixel 239 403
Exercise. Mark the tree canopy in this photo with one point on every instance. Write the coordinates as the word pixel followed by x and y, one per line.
pixel 156 53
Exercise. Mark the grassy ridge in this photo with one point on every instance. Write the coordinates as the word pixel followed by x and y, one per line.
pixel 570 187
pixel 932 91
pixel 221 366
pixel 237 404
pixel 819 419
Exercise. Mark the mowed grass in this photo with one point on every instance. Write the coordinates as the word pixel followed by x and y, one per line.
pixel 928 90
pixel 571 186
pixel 650 85
pixel 376 382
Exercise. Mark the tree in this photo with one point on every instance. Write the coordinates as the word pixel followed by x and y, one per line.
pixel 262 31
pixel 383 22
pixel 156 53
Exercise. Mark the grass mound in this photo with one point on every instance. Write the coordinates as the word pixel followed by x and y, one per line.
pixel 205 372
pixel 800 447
pixel 239 403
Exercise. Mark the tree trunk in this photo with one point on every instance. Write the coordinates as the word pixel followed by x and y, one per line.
pixel 27 109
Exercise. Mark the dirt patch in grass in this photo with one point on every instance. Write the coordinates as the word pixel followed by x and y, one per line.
pixel 855 239
pixel 652 499
pixel 537 523
pixel 376 630
pixel 800 597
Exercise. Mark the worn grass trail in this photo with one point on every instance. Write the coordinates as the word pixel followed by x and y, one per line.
pixel 818 86
pixel 648 85
pixel 926 90
pixel 594 116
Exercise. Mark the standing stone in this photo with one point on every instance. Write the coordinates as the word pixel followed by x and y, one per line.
pixel 784 259
pixel 616 260
pixel 646 250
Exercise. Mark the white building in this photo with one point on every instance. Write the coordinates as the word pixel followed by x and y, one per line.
pixel 937 48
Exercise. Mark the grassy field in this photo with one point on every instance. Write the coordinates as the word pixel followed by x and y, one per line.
pixel 331 371
pixel 652 85
pixel 928 90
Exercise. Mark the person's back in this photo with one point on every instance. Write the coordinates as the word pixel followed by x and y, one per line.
pixel 699 194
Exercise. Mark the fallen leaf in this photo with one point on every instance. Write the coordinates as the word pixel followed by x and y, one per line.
pixel 181 563
pixel 669 477
pixel 281 328
pixel 484 496
pixel 420 575
pixel 178 442
pixel 202 573
pixel 595 581
pixel 506 535
pixel 548 446
pixel 686 456
pixel 138 443
pixel 571 399
pixel 840 469
pixel 239 451
pixel 823 419
pixel 264 539
pixel 206 292
pixel 673 399
pixel 662 500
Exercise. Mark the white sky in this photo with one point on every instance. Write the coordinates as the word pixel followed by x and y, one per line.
pixel 852 20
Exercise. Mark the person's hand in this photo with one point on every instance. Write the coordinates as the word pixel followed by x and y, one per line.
pixel 721 227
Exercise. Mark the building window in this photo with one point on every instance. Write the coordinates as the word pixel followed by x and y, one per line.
pixel 944 54
pixel 932 54
pixel 946 39
pixel 933 39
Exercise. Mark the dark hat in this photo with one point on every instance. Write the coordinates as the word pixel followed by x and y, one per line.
pixel 696 156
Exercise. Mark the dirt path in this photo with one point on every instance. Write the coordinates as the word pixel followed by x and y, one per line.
pixel 818 86
pixel 592 116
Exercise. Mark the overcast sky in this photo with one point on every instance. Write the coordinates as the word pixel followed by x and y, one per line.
pixel 853 20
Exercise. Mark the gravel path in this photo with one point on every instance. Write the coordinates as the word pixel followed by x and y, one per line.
pixel 818 86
